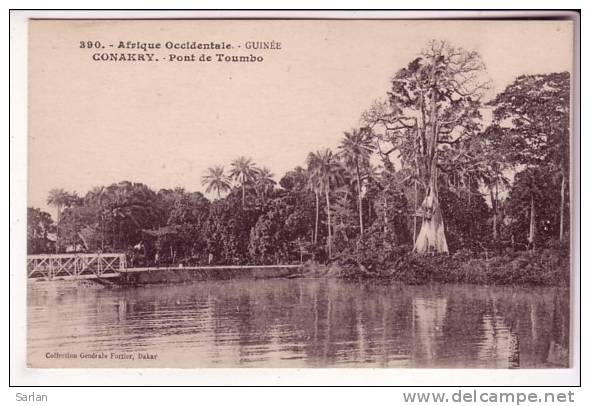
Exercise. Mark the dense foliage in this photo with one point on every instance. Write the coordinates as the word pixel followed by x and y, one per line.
pixel 424 173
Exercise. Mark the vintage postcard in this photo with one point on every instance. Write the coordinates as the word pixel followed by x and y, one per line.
pixel 321 193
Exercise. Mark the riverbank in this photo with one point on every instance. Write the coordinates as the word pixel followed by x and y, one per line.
pixel 543 267
pixel 180 275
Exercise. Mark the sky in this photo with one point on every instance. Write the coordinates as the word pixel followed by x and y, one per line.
pixel 95 123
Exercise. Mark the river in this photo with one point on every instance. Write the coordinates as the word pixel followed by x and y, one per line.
pixel 297 323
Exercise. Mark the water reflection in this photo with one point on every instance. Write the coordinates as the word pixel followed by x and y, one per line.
pixel 306 322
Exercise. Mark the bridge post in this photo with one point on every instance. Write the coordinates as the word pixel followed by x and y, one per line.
pixel 99 264
pixel 51 269
pixel 76 265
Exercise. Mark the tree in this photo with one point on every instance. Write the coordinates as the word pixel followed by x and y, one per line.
pixel 391 206
pixel 294 180
pixel 433 108
pixel 59 199
pixel 189 217
pixel 343 216
pixel 264 182
pixel 532 116
pixel 297 183
pixel 279 231
pixel 494 180
pixel 467 217
pixel 372 178
pixel 132 207
pixel 163 236
pixel 80 227
pixel 39 225
pixel 243 171
pixel 215 179
pixel 314 184
pixel 325 172
pixel 98 197
pixel 227 230
pixel 533 207
pixel 481 161
pixel 355 149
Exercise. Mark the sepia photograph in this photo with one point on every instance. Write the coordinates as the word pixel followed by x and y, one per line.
pixel 300 193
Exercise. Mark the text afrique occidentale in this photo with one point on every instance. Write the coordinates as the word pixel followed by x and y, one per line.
pixel 180 46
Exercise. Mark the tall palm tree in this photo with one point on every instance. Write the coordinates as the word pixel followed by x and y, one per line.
pixel 215 179
pixel 355 149
pixel 59 199
pixel 325 172
pixel 313 185
pixel 243 171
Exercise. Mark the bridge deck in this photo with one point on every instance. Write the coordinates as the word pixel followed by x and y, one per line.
pixel 112 265
pixel 206 267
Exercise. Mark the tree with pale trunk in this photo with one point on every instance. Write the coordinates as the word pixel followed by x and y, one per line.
pixel 532 116
pixel 532 207
pixel 494 180
pixel 243 171
pixel 314 186
pixel 432 110
pixel 325 172
pixel 355 150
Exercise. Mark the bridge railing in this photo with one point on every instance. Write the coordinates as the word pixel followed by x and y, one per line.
pixel 74 265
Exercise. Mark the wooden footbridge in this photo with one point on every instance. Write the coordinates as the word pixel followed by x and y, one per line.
pixel 113 265
pixel 75 266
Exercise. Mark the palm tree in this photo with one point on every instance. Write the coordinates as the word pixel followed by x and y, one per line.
pixel 325 172
pixel 58 198
pixel 215 179
pixel 243 171
pixel 355 149
pixel 314 187
pixel 265 181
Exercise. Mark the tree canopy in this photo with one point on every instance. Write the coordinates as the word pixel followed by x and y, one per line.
pixel 423 172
